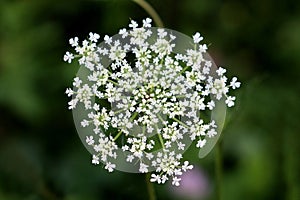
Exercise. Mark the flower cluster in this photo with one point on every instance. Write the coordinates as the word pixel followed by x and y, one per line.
pixel 153 98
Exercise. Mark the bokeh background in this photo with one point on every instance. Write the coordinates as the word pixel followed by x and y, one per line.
pixel 41 156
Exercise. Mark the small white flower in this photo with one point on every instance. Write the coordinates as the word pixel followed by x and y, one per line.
pixel 110 167
pixel 176 181
pixel 147 22
pixel 168 144
pixel 211 133
pixel 72 104
pixel 94 37
pixel 186 166
pixel 95 160
pixel 230 101
pixel 84 123
pixel 164 178
pixel 234 83
pixel 133 24
pixel 96 107
pixel 107 39
pixel 203 48
pixel 181 146
pixel 68 57
pixel 77 82
pixel 69 92
pixel 201 143
pixel 221 71
pixel 130 158
pixel 211 105
pixel 143 168
pixel 89 140
pixel 197 38
pixel 74 42
pixel 161 33
pixel 123 32
pixel 155 178
pixel 125 148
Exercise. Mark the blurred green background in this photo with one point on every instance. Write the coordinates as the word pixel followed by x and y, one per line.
pixel 41 156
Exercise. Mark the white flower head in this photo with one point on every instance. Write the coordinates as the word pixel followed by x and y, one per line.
pixel 140 99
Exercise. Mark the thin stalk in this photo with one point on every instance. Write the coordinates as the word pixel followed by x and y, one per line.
pixel 117 136
pixel 180 122
pixel 161 140
pixel 150 188
pixel 133 116
pixel 218 169
pixel 150 10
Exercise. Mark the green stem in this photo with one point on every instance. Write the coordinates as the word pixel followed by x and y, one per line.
pixel 133 116
pixel 182 71
pixel 218 169
pixel 113 82
pixel 150 10
pixel 161 140
pixel 150 187
pixel 180 122
pixel 160 118
pixel 117 136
